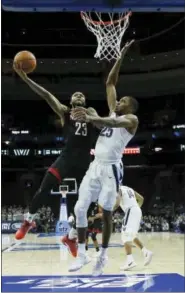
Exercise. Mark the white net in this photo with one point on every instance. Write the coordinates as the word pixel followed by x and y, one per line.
pixel 108 34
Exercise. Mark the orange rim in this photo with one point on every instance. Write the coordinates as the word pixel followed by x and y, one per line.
pixel 83 15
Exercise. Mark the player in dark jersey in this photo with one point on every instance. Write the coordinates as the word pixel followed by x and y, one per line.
pixel 94 224
pixel 75 157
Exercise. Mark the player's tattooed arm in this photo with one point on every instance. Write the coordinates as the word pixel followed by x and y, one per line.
pixel 53 102
pixel 129 122
pixel 113 78
pixel 92 112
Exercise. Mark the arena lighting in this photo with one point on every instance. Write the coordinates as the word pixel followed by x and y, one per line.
pixel 15 132
pixel 179 126
pixel 182 147
pixel 127 151
pixel 157 149
pixel 7 142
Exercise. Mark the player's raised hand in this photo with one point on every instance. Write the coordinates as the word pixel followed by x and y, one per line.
pixel 127 46
pixel 19 71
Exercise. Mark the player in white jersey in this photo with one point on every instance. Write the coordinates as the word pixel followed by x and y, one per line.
pixel 102 179
pixel 130 202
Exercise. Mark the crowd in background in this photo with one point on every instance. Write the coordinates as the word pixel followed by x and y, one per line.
pixel 45 220
pixel 167 220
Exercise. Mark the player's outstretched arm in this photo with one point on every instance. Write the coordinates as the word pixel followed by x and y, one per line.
pixel 129 122
pixel 113 78
pixel 57 107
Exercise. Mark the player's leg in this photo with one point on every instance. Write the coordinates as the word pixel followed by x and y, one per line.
pixel 88 191
pixel 87 241
pixel 95 241
pixel 129 231
pixel 70 240
pixel 48 182
pixel 146 253
pixel 107 200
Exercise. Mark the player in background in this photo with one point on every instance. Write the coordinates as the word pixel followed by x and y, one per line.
pixel 74 159
pixel 102 179
pixel 130 202
pixel 94 225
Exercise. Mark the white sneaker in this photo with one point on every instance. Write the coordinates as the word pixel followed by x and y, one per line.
pixel 80 261
pixel 128 266
pixel 98 268
pixel 148 257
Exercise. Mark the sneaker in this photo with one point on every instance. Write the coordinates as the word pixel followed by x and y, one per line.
pixel 148 257
pixel 100 264
pixel 81 260
pixel 128 266
pixel 24 229
pixel 71 245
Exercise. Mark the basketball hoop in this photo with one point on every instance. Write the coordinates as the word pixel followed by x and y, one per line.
pixel 108 33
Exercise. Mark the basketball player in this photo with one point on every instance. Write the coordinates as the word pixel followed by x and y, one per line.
pixel 94 225
pixel 130 202
pixel 75 157
pixel 102 179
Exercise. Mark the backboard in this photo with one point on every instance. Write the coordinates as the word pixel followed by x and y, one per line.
pixel 69 185
pixel 98 5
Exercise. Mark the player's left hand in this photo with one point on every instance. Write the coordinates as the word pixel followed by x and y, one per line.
pixel 79 114
pixel 127 46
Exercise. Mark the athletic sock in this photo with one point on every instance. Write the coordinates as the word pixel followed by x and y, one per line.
pixel 103 252
pixel 81 248
pixel 130 258
pixel 144 250
pixel 72 234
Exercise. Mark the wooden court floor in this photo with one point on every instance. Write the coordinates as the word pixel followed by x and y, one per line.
pixel 40 264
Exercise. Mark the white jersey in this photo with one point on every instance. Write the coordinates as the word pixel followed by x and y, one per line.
pixel 128 198
pixel 111 144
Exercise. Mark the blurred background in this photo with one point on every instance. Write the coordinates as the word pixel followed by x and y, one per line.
pixel 153 72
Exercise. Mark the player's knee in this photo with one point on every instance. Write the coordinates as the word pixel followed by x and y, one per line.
pixel 81 215
pixel 93 236
pixel 127 236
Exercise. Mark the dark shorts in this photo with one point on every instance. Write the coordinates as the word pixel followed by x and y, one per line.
pixel 96 227
pixel 69 167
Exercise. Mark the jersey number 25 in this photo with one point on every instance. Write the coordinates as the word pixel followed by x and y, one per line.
pixel 106 132
pixel 81 128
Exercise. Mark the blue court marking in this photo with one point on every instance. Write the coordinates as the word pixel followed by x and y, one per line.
pixel 6 248
pixel 48 235
pixel 27 246
pixel 87 283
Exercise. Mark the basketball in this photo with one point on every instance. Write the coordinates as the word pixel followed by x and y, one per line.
pixel 26 61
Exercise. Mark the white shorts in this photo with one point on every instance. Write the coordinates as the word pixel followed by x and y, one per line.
pixel 131 224
pixel 101 183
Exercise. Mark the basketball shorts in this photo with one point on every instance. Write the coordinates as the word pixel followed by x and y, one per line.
pixel 101 183
pixel 69 167
pixel 131 224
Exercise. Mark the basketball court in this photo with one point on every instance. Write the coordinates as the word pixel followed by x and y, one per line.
pixel 40 264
